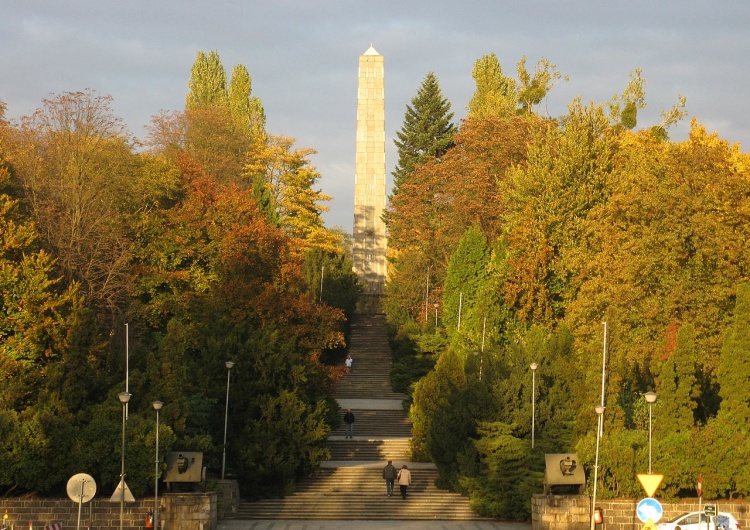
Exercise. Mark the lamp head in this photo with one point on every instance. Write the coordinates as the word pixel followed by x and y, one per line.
pixel 157 405
pixel 599 409
pixel 533 367
pixel 229 365
pixel 124 397
pixel 650 397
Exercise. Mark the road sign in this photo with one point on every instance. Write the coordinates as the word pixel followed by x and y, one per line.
pixel 710 510
pixel 649 510
pixel 119 495
pixel 650 482
pixel 81 488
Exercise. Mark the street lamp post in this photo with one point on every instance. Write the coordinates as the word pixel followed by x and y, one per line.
pixel 599 412
pixel 124 397
pixel 436 306
pixel 157 407
pixel 229 365
pixel 533 367
pixel 650 399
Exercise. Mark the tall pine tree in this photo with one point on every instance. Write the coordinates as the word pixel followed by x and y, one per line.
pixel 427 131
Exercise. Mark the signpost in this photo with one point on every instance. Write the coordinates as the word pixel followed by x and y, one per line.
pixel 81 488
pixel 649 510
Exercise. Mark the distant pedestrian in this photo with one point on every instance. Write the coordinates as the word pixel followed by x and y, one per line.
pixel 389 474
pixel 349 423
pixel 349 362
pixel 404 480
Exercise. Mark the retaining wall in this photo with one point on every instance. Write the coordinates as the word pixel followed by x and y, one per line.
pixel 572 512
pixel 177 511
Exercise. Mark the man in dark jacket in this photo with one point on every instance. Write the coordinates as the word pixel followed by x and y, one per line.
pixel 389 474
pixel 349 423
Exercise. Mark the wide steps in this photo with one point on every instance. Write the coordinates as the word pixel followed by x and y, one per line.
pixel 398 449
pixel 349 486
pixel 366 480
pixel 348 506
pixel 378 424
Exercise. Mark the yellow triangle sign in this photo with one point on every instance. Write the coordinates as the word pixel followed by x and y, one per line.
pixel 650 482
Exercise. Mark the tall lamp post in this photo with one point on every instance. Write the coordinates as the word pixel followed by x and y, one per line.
pixel 229 365
pixel 650 399
pixel 533 367
pixel 599 412
pixel 124 397
pixel 436 307
pixel 157 407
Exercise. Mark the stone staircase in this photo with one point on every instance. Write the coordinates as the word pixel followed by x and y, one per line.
pixel 350 485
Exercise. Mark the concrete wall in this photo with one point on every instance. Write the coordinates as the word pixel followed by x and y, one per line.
pixel 571 512
pixel 177 511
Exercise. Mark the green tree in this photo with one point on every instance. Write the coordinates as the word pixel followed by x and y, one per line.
pixel 246 109
pixel 677 385
pixel 496 95
pixel 330 279
pixel 427 131
pixel 466 274
pixel 207 83
pixel 532 89
pixel 734 365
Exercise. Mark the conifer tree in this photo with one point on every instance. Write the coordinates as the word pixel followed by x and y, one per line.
pixel 427 131
pixel 734 365
pixel 677 385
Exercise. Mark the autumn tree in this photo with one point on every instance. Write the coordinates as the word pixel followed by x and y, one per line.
pixel 223 118
pixel 74 161
pixel 215 277
pixel 441 200
pixel 287 177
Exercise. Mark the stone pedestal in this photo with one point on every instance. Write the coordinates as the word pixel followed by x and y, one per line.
pixel 189 511
pixel 229 498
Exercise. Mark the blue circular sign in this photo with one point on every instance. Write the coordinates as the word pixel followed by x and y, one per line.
pixel 649 509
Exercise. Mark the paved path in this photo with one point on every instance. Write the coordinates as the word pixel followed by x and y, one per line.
pixel 370 525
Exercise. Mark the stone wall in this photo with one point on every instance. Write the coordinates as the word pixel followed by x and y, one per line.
pixel 177 511
pixel 571 512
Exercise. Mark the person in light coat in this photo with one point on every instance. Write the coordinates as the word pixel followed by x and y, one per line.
pixel 404 480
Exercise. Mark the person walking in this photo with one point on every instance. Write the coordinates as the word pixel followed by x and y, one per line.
pixel 389 474
pixel 349 423
pixel 349 361
pixel 404 480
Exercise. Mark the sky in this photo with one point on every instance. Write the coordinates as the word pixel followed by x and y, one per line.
pixel 303 56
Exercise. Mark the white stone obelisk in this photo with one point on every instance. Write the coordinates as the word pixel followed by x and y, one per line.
pixel 369 245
